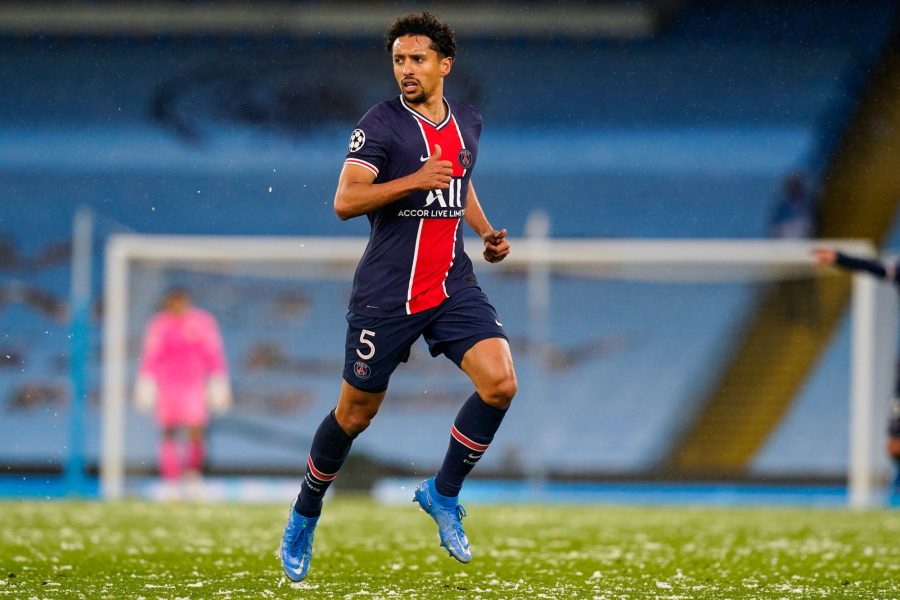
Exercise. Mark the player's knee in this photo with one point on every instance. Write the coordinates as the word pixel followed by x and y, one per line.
pixel 355 422
pixel 502 391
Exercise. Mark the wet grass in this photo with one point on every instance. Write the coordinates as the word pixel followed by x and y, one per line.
pixel 363 550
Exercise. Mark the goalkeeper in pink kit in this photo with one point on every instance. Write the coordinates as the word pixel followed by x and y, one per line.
pixel 182 374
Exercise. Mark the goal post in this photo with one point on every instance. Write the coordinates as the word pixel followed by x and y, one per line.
pixel 535 260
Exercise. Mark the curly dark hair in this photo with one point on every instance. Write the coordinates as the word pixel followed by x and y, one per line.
pixel 423 23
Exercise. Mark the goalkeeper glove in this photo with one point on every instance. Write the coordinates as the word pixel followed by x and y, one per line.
pixel 145 393
pixel 218 392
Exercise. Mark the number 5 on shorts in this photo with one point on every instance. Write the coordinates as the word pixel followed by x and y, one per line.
pixel 366 342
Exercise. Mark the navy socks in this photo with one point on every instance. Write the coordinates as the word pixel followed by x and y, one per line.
pixel 330 447
pixel 471 434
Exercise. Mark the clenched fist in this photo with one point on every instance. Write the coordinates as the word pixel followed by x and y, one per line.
pixel 496 246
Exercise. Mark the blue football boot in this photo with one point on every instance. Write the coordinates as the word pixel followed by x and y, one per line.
pixel 296 545
pixel 448 516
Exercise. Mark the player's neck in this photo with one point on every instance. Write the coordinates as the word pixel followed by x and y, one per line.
pixel 434 109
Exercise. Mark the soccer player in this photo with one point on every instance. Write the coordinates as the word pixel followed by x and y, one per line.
pixel 182 370
pixel 409 170
pixel 889 272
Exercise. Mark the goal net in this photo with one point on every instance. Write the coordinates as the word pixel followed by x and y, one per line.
pixel 631 356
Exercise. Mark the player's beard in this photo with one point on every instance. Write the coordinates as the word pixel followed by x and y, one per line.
pixel 417 98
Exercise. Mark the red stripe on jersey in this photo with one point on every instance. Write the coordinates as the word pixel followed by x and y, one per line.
pixel 436 241
pixel 471 445
pixel 434 256
pixel 317 473
pixel 447 136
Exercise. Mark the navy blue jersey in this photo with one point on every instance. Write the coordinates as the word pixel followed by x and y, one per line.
pixel 414 259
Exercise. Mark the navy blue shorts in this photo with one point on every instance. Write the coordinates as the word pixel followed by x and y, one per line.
pixel 376 346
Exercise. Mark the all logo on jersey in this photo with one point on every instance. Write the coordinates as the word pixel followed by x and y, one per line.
pixel 361 370
pixel 454 195
pixel 440 204
pixel 465 158
pixel 357 140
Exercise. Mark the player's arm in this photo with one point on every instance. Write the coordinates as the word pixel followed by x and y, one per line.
pixel 151 349
pixel 358 194
pixel 144 394
pixel 496 246
pixel 827 256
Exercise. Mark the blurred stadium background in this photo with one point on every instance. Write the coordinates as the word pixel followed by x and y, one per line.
pixel 654 119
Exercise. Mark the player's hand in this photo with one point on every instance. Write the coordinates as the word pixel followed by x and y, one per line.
pixel 435 173
pixel 218 394
pixel 496 246
pixel 824 256
pixel 145 393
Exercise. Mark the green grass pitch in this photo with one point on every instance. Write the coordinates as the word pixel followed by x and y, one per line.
pixel 364 550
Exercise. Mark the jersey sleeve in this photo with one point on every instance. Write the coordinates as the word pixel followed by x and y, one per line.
pixel 214 347
pixel 369 142
pixel 151 349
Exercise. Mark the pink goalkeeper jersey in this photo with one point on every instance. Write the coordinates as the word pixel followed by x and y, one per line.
pixel 180 353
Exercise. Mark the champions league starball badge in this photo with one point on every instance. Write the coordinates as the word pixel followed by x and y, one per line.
pixel 465 158
pixel 357 140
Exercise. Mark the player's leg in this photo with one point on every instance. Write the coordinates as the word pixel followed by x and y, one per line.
pixel 331 445
pixel 194 415
pixel 480 349
pixel 169 455
pixel 170 464
pixel 489 364
pixel 169 418
pixel 471 335
pixel 490 367
pixel 373 350
pixel 195 454
pixel 194 461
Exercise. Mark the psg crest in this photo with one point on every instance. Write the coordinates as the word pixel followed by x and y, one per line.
pixel 361 370
pixel 464 157
pixel 357 140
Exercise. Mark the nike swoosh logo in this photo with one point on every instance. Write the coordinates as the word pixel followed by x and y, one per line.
pixel 297 571
pixel 499 324
pixel 474 456
pixel 423 158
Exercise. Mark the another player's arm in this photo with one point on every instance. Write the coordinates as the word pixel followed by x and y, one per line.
pixel 496 246
pixel 144 394
pixel 358 194
pixel 827 256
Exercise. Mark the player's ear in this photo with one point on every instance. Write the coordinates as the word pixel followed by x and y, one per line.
pixel 446 65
